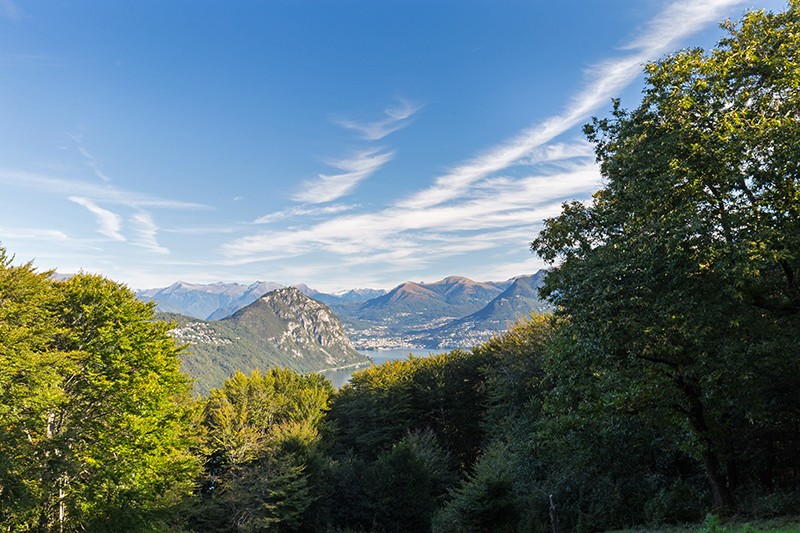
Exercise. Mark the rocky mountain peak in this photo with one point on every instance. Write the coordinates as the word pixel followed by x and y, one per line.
pixel 281 328
pixel 291 320
pixel 451 280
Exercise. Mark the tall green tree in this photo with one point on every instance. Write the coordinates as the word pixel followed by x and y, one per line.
pixel 93 406
pixel 262 436
pixel 680 278
pixel 124 428
pixel 30 378
pixel 500 491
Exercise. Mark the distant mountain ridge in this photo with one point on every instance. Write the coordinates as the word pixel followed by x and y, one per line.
pixel 457 294
pixel 518 301
pixel 206 301
pixel 216 301
pixel 449 313
pixel 281 328
pixel 413 314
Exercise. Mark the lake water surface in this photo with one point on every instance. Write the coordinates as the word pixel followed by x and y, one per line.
pixel 340 377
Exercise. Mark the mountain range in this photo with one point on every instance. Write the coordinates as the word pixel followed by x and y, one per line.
pixel 212 302
pixel 281 328
pixel 454 295
pixel 218 300
pixel 449 313
pixel 520 299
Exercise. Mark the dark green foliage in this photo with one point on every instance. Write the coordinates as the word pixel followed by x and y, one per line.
pixel 459 401
pixel 373 411
pixel 399 433
pixel 605 465
pixel 269 493
pixel 680 279
pixel 439 393
pixel 487 500
pixel 406 483
pixel 512 374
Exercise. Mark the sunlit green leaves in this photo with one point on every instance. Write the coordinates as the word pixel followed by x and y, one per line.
pixel 92 404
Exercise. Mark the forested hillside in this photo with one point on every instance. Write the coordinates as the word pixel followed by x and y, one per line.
pixel 283 328
pixel 663 387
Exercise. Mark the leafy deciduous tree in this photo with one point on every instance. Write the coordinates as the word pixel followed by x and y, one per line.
pixel 93 406
pixel 262 438
pixel 680 278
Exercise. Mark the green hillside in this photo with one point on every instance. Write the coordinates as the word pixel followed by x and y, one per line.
pixel 282 329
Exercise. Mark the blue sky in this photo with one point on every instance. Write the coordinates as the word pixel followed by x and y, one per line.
pixel 341 144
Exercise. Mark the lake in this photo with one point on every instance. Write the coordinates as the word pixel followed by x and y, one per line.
pixel 340 377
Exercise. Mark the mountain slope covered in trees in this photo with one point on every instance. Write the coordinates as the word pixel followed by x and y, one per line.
pixel 283 328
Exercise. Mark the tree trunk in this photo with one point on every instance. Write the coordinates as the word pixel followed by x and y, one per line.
pixel 720 486
pixel 554 515
pixel 721 492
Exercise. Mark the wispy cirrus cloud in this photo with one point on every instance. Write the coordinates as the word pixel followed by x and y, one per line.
pixel 330 187
pixel 105 193
pixel 555 152
pixel 493 202
pixel 604 81
pixel 362 164
pixel 91 162
pixel 14 59
pixel 109 223
pixel 94 165
pixel 660 32
pixel 34 233
pixel 200 230
pixel 497 206
pixel 301 211
pixel 146 231
pixel 396 117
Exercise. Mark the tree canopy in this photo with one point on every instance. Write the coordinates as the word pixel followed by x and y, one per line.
pixel 93 406
pixel 680 278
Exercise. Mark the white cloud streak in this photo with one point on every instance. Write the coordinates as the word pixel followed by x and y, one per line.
pixel 499 205
pixel 146 232
pixel 479 207
pixel 97 192
pixel 209 230
pixel 109 223
pixel 606 79
pixel 301 211
pixel 396 117
pixel 330 187
pixel 35 234
pixel 559 152
pixel 93 164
